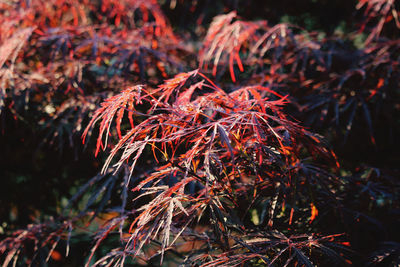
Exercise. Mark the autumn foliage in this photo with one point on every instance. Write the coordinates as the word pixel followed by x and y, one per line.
pixel 217 141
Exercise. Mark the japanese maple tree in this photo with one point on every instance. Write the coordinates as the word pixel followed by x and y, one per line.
pixel 220 136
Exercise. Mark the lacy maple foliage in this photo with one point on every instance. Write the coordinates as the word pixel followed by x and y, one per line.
pixel 214 152
pixel 217 149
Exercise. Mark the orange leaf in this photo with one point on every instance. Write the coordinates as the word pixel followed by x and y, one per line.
pixel 381 82
pixel 314 212
pixel 55 255
pixel 291 216
pixel 345 244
